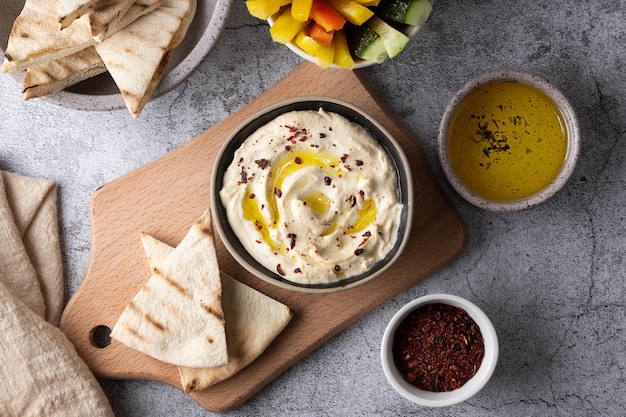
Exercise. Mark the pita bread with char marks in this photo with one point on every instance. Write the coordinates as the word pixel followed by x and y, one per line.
pixel 137 55
pixel 253 320
pixel 105 14
pixel 60 73
pixel 35 37
pixel 177 316
pixel 70 10
pixel 110 16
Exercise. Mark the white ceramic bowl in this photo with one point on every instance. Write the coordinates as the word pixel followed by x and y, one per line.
pixel 352 113
pixel 410 31
pixel 571 156
pixel 100 92
pixel 472 386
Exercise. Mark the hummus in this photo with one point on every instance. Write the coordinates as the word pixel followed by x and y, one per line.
pixel 313 197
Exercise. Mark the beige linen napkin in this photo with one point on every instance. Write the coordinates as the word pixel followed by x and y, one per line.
pixel 30 255
pixel 40 372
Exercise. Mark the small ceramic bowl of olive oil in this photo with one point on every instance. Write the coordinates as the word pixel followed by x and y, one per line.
pixel 508 140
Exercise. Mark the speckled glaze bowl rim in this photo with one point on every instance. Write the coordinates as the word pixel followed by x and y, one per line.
pixel 350 111
pixel 571 156
pixel 471 387
pixel 411 32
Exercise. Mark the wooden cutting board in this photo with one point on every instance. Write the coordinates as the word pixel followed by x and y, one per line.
pixel 165 197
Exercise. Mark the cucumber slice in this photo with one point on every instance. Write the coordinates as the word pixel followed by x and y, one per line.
pixel 366 44
pixel 410 12
pixel 394 40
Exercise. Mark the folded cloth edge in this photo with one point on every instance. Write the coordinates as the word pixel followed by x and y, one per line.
pixel 42 375
pixel 33 203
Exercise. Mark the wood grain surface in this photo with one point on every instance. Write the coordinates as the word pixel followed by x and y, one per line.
pixel 165 197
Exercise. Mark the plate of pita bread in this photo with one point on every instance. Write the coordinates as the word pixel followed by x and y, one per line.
pixel 106 54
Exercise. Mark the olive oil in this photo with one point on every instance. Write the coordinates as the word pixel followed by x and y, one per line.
pixel 507 141
pixel 293 162
pixel 317 201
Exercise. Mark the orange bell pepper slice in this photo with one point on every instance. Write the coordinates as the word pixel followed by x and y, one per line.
pixel 320 34
pixel 326 16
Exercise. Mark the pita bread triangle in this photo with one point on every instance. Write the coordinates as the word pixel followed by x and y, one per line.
pixel 70 10
pixel 60 73
pixel 102 27
pixel 253 320
pixel 137 55
pixel 35 36
pixel 105 14
pixel 177 316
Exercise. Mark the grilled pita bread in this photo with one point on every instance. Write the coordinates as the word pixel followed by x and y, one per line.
pixel 253 320
pixel 137 55
pixel 35 37
pixel 177 316
pixel 60 73
pixel 70 10
pixel 106 14
pixel 103 26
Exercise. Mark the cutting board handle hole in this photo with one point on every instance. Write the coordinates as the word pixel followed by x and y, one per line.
pixel 100 336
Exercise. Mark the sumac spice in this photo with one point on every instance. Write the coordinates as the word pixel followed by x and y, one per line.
pixel 438 347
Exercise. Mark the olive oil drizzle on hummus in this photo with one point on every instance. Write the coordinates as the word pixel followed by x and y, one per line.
pixel 313 197
pixel 317 201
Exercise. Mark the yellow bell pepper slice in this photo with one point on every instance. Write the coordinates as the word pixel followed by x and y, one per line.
pixel 301 10
pixel 373 3
pixel 343 58
pixel 352 11
pixel 285 28
pixel 262 9
pixel 306 43
pixel 325 56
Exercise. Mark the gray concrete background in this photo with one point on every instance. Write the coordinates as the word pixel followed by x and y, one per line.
pixel 551 278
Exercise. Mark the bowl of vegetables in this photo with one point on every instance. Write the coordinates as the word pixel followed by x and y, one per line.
pixel 348 34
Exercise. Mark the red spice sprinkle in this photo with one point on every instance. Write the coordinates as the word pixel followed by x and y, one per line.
pixel 292 240
pixel 438 347
pixel 262 163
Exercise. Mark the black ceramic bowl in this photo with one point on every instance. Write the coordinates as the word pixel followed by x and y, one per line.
pixel 355 115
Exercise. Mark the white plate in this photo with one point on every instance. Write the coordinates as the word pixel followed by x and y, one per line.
pixel 100 92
